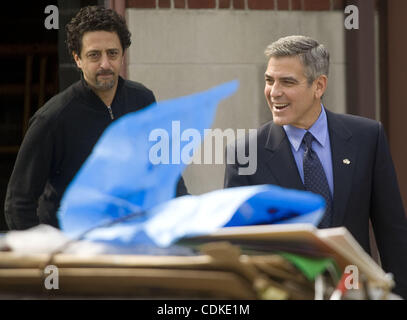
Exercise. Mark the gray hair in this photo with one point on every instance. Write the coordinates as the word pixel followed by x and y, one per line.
pixel 314 56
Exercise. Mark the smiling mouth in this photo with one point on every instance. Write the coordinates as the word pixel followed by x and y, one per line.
pixel 280 106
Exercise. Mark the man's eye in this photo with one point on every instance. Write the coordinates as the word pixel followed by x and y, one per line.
pixel 113 54
pixel 93 55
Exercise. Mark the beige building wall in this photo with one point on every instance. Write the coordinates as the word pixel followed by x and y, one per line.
pixel 179 52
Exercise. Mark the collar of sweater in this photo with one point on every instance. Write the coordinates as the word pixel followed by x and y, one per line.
pixel 93 100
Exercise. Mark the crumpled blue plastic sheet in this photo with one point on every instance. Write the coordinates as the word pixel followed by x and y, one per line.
pixel 199 215
pixel 118 179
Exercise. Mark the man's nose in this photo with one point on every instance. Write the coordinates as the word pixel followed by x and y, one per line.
pixel 104 62
pixel 276 90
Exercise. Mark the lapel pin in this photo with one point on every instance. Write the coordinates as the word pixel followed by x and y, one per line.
pixel 346 161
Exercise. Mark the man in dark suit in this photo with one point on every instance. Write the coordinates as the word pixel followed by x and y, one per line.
pixel 344 158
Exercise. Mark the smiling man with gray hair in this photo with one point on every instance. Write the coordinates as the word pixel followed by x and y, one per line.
pixel 344 158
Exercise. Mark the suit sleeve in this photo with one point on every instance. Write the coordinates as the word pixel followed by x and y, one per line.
pixel 388 215
pixel 30 173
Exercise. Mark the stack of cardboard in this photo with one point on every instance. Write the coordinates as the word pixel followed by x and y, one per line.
pixel 233 263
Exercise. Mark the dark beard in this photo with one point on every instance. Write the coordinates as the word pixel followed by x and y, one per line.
pixel 105 85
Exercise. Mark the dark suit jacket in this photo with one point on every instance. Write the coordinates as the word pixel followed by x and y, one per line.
pixel 365 188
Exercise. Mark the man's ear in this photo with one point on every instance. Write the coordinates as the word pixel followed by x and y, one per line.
pixel 77 60
pixel 321 84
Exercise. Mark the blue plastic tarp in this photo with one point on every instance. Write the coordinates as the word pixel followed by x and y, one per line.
pixel 120 178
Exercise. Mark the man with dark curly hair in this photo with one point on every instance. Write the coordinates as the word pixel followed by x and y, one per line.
pixel 63 132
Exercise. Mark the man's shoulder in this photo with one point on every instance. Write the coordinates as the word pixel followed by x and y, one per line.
pixel 137 87
pixel 54 106
pixel 354 123
pixel 134 85
pixel 138 94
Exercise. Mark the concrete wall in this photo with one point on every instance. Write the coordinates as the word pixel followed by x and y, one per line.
pixel 179 52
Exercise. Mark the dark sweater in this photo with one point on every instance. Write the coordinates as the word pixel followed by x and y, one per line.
pixel 60 137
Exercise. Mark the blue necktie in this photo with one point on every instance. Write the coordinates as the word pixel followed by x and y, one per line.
pixel 315 179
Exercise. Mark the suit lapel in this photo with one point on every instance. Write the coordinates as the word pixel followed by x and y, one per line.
pixel 281 164
pixel 280 160
pixel 344 154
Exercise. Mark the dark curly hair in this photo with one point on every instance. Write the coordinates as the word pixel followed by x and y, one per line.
pixel 95 18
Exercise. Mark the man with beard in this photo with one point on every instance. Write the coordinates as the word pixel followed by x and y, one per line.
pixel 63 132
